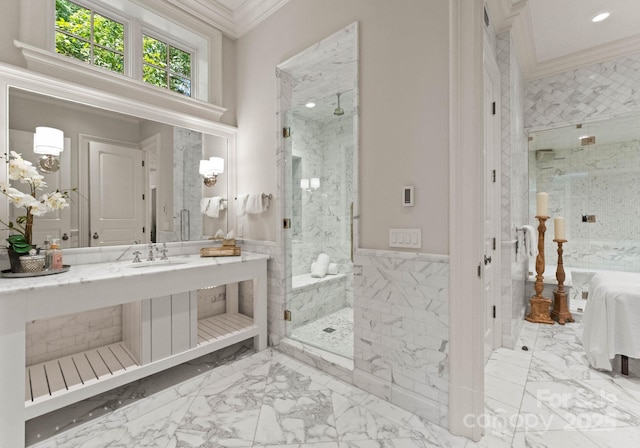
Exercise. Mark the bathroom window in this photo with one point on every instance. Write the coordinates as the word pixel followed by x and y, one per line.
pixel 128 39
pixel 166 66
pixel 89 36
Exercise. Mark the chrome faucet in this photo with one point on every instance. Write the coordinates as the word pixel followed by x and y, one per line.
pixel 151 248
pixel 137 254
pixel 164 251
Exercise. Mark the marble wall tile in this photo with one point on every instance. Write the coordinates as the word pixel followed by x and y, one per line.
pixel 312 302
pixel 401 323
pixel 211 302
pixel 49 339
pixel 586 94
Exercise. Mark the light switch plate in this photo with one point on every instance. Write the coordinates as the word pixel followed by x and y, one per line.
pixel 405 238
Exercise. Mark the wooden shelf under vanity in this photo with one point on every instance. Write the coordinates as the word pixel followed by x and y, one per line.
pixel 53 384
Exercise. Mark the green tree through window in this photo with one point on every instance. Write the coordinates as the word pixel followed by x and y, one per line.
pixel 166 66
pixel 88 36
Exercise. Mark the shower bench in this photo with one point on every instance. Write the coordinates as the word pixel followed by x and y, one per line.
pixel 160 328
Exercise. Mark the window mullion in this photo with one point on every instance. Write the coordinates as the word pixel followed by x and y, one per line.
pixel 133 50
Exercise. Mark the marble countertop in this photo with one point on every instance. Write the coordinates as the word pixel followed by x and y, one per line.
pixel 97 285
pixel 86 273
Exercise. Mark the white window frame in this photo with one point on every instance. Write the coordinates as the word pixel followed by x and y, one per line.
pixel 206 50
pixel 170 40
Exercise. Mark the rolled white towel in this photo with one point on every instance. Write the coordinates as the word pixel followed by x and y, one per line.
pixel 316 271
pixel 323 262
pixel 333 269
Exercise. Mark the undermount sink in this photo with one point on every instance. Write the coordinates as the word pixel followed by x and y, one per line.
pixel 157 263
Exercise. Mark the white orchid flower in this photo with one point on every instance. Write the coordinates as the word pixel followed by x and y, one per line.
pixel 54 201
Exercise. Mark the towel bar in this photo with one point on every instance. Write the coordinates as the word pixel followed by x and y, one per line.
pixel 264 196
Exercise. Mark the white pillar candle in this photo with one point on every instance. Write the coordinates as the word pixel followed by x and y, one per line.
pixel 542 204
pixel 559 228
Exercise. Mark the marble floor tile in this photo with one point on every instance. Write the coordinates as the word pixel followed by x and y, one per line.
pixel 503 390
pixel 290 417
pixel 545 397
pixel 553 439
pixel 509 372
pixel 356 422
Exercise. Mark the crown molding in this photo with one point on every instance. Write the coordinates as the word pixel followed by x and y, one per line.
pixel 233 24
pixel 253 12
pixel 601 53
pixel 210 12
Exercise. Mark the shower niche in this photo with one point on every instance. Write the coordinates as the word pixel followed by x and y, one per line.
pixel 318 103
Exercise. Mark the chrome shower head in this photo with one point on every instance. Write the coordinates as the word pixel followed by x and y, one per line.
pixel 339 110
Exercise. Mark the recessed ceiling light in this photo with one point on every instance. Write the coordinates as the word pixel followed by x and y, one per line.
pixel 600 17
pixel 310 105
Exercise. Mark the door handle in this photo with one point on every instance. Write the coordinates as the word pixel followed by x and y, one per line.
pixel 65 237
pixel 487 260
pixel 95 235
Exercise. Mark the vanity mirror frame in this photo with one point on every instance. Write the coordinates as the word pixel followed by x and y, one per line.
pixel 192 115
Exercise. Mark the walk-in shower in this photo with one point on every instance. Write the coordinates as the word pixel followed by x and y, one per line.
pixel 320 150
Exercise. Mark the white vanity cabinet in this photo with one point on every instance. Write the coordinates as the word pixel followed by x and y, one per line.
pixel 160 328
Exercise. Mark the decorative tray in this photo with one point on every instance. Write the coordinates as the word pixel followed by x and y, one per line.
pixel 8 274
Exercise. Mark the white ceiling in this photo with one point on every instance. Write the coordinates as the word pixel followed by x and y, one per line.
pixel 551 35
pixel 564 27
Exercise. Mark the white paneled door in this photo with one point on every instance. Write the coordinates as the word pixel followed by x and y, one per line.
pixel 492 209
pixel 116 205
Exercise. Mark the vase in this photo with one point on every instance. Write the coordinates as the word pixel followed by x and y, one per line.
pixel 14 259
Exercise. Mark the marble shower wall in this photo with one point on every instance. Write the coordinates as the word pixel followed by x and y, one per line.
pixel 325 150
pixel 601 180
pixel 187 191
pixel 594 93
pixel 514 190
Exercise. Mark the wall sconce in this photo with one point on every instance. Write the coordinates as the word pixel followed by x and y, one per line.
pixel 304 184
pixel 315 183
pixel 209 169
pixel 50 143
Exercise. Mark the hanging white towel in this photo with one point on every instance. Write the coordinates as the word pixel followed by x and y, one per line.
pixel 213 211
pixel 241 204
pixel 530 241
pixel 255 203
pixel 204 205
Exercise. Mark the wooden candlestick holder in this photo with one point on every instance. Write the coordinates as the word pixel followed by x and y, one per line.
pixel 560 310
pixel 540 306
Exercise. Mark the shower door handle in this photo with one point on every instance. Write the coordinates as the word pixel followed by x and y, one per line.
pixel 351 229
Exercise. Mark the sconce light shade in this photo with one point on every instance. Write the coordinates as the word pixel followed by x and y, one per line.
pixel 48 141
pixel 217 165
pixel 304 184
pixel 315 182
pixel 205 168
pixel 210 169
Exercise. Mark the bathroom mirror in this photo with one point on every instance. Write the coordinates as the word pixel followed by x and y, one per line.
pixel 591 172
pixel 130 172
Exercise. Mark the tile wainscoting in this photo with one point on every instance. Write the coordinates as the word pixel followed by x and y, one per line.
pixel 401 330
